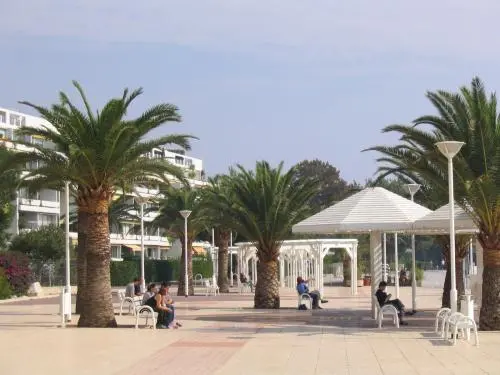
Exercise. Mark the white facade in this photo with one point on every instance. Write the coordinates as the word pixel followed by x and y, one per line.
pixel 34 210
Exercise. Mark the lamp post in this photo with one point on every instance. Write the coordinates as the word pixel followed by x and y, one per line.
pixel 231 258
pixel 66 233
pixel 449 149
pixel 185 214
pixel 142 201
pixel 413 188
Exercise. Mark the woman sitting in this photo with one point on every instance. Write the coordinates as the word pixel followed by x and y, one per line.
pixel 165 314
pixel 150 292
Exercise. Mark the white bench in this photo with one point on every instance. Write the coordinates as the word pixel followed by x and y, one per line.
pixel 306 297
pixel 132 302
pixel 144 311
pixel 389 310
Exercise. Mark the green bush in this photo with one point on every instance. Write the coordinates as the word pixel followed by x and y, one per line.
pixel 17 269
pixel 156 270
pixel 5 291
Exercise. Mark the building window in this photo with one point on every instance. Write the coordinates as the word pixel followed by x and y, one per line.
pixel 3 117
pixel 188 162
pixel 179 160
pixel 17 120
pixel 116 252
pixel 157 154
pixel 3 134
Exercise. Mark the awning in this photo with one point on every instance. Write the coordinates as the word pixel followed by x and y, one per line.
pixel 133 247
pixel 198 250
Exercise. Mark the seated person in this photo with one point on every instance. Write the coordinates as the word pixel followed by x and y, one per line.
pixel 169 302
pixel 150 292
pixel 244 280
pixel 302 288
pixel 403 278
pixel 133 289
pixel 165 314
pixel 385 299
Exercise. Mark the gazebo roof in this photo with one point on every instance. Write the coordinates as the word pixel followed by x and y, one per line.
pixel 372 209
pixel 439 221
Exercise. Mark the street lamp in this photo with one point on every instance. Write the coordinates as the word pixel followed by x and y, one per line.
pixel 66 233
pixel 142 201
pixel 450 149
pixel 413 188
pixel 185 214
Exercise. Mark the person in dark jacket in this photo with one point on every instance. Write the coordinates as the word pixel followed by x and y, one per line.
pixel 385 299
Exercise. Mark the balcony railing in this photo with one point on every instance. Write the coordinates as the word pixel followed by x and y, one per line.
pixel 38 203
pixel 137 237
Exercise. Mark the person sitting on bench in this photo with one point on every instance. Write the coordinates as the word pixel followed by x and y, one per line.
pixel 385 299
pixel 302 288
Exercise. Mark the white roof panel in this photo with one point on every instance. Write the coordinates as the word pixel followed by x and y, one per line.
pixel 372 209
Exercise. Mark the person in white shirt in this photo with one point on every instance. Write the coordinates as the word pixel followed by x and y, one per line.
pixel 150 292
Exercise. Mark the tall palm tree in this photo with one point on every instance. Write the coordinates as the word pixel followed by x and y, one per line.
pixel 170 219
pixel 470 116
pixel 265 204
pixel 96 152
pixel 219 188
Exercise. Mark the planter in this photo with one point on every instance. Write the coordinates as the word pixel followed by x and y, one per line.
pixel 360 283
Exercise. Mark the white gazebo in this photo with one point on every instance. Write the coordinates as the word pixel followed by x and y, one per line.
pixel 372 210
pixel 300 258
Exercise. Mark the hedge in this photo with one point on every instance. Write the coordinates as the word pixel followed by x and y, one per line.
pixel 125 271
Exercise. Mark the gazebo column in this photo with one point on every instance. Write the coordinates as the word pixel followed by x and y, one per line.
pixel 384 259
pixel 321 273
pixel 477 283
pixel 282 272
pixel 396 264
pixel 254 272
pixel 375 265
pixel 355 256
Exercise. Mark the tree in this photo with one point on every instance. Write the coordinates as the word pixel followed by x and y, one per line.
pixel 470 116
pixel 332 187
pixel 170 219
pixel 96 152
pixel 264 205
pixel 219 188
pixel 46 244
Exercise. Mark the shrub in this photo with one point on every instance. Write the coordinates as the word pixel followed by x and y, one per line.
pixel 17 269
pixel 5 291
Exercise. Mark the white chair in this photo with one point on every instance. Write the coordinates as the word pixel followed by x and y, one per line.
pixel 441 317
pixel 198 278
pixel 389 310
pixel 449 324
pixel 465 323
pixel 210 289
pixel 306 297
pixel 147 312
pixel 244 287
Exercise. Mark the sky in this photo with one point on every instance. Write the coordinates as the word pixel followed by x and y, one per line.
pixel 255 80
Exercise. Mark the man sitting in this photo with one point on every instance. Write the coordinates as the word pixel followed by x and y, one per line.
pixel 133 289
pixel 302 288
pixel 385 299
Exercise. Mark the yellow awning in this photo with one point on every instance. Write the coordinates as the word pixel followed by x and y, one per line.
pixel 198 250
pixel 133 247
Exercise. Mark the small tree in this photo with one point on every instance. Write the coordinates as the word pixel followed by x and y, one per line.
pixel 43 245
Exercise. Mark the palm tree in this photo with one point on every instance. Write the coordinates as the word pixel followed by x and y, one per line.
pixel 219 188
pixel 264 205
pixel 96 152
pixel 469 116
pixel 170 219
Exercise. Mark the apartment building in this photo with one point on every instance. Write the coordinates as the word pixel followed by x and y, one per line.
pixel 45 207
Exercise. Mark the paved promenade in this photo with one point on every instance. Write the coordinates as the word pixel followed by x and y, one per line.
pixel 224 335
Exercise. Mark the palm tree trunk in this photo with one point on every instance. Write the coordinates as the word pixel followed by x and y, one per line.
pixel 489 319
pixel 223 261
pixel 182 275
pixel 81 262
pixel 267 290
pixel 445 299
pixel 98 308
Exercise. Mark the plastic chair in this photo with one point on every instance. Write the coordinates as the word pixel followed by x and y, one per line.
pixel 387 310
pixel 307 297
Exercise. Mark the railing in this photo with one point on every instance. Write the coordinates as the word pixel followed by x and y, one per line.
pixel 38 202
pixel 137 237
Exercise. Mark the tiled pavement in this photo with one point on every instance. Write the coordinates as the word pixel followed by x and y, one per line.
pixel 224 335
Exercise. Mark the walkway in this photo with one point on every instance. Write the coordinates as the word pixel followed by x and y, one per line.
pixel 224 335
